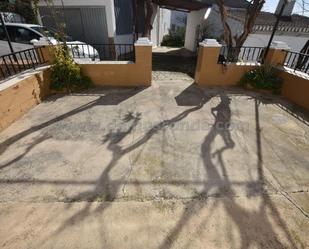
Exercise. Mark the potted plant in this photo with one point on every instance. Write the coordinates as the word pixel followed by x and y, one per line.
pixel 264 79
pixel 66 75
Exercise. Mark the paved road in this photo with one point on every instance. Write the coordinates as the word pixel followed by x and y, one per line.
pixel 5 49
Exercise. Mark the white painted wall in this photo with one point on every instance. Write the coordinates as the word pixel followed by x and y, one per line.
pixel 261 40
pixel 161 25
pixel 155 28
pixel 194 19
pixel 109 6
pixel 165 23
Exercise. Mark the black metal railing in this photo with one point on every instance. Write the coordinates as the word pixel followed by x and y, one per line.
pixel 297 61
pixel 241 54
pixel 15 63
pixel 103 52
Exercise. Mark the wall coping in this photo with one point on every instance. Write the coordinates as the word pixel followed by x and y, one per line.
pixel 143 41
pixel 279 45
pixel 293 72
pixel 248 63
pixel 21 76
pixel 213 43
pixel 90 62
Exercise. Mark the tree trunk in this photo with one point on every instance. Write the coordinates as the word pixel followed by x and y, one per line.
pixel 148 26
pixel 227 33
pixel 135 19
pixel 252 13
pixel 235 43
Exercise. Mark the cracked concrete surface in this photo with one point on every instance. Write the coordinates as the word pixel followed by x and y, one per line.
pixel 169 166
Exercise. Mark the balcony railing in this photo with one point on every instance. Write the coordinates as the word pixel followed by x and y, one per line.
pixel 103 52
pixel 15 63
pixel 241 54
pixel 297 62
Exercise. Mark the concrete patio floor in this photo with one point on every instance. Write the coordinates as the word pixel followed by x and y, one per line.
pixel 169 166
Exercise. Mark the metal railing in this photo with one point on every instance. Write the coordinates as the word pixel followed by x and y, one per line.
pixel 15 63
pixel 103 52
pixel 241 54
pixel 10 17
pixel 297 61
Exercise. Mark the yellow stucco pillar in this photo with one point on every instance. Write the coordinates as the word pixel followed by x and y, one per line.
pixel 143 60
pixel 277 53
pixel 46 52
pixel 207 61
pixel 43 47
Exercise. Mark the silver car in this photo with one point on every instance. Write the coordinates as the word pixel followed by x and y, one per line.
pixel 30 33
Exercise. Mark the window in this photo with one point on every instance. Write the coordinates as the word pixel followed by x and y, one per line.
pixel 50 33
pixel 10 30
pixel 23 35
pixel 44 31
pixel 2 34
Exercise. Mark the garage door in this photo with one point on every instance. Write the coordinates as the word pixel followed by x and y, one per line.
pixel 82 24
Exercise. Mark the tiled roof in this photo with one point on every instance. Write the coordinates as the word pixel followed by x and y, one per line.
pixel 266 20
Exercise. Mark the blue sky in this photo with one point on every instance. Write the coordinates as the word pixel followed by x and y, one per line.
pixel 271 5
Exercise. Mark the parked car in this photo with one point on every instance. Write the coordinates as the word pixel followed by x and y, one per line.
pixel 31 33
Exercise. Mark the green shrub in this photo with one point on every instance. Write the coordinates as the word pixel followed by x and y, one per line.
pixel 65 73
pixel 264 77
pixel 174 38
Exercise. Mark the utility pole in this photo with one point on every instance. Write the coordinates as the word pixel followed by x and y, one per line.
pixel 6 34
pixel 275 28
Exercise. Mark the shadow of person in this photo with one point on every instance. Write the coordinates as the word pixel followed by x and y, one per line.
pixel 254 227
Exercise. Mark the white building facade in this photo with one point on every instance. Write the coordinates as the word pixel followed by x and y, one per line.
pixel 107 21
pixel 293 29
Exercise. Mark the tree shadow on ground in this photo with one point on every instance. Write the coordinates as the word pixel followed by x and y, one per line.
pixel 31 145
pixel 261 234
pixel 104 97
pixel 106 189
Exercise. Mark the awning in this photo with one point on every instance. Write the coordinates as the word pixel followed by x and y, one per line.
pixel 190 5
pixel 184 5
pixel 241 4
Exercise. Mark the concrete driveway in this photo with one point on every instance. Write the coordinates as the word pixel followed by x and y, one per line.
pixel 169 166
